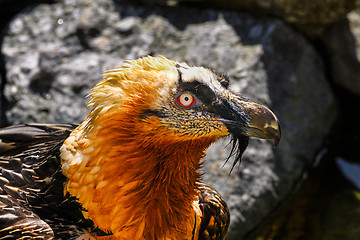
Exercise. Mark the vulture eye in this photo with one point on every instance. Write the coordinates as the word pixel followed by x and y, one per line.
pixel 185 100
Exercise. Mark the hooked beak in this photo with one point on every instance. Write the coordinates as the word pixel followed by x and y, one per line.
pixel 262 122
pixel 250 119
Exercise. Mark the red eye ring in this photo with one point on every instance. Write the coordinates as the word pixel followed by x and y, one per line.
pixel 185 100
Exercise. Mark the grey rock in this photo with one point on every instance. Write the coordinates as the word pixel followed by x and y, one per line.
pixel 55 53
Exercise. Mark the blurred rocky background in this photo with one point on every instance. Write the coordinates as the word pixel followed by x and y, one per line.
pixel 301 58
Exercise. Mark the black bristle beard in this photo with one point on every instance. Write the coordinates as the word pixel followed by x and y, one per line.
pixel 239 144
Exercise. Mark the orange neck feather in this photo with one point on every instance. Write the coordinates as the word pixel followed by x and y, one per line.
pixel 131 181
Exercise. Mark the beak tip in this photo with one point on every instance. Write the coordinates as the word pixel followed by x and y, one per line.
pixel 276 142
pixel 271 131
pixel 277 135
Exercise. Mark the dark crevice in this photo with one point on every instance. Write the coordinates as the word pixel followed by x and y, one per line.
pixel 3 121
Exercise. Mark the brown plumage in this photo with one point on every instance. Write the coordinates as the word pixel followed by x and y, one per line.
pixel 132 168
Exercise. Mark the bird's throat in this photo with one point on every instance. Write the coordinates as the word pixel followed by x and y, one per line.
pixel 131 187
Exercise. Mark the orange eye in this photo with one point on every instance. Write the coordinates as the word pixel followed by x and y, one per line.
pixel 186 100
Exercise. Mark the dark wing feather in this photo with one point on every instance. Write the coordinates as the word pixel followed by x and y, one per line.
pixel 22 139
pixel 216 216
pixel 31 185
pixel 17 221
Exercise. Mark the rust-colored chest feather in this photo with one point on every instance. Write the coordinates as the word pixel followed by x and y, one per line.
pixel 135 186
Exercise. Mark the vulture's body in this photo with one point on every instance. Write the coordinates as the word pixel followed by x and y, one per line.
pixel 131 169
